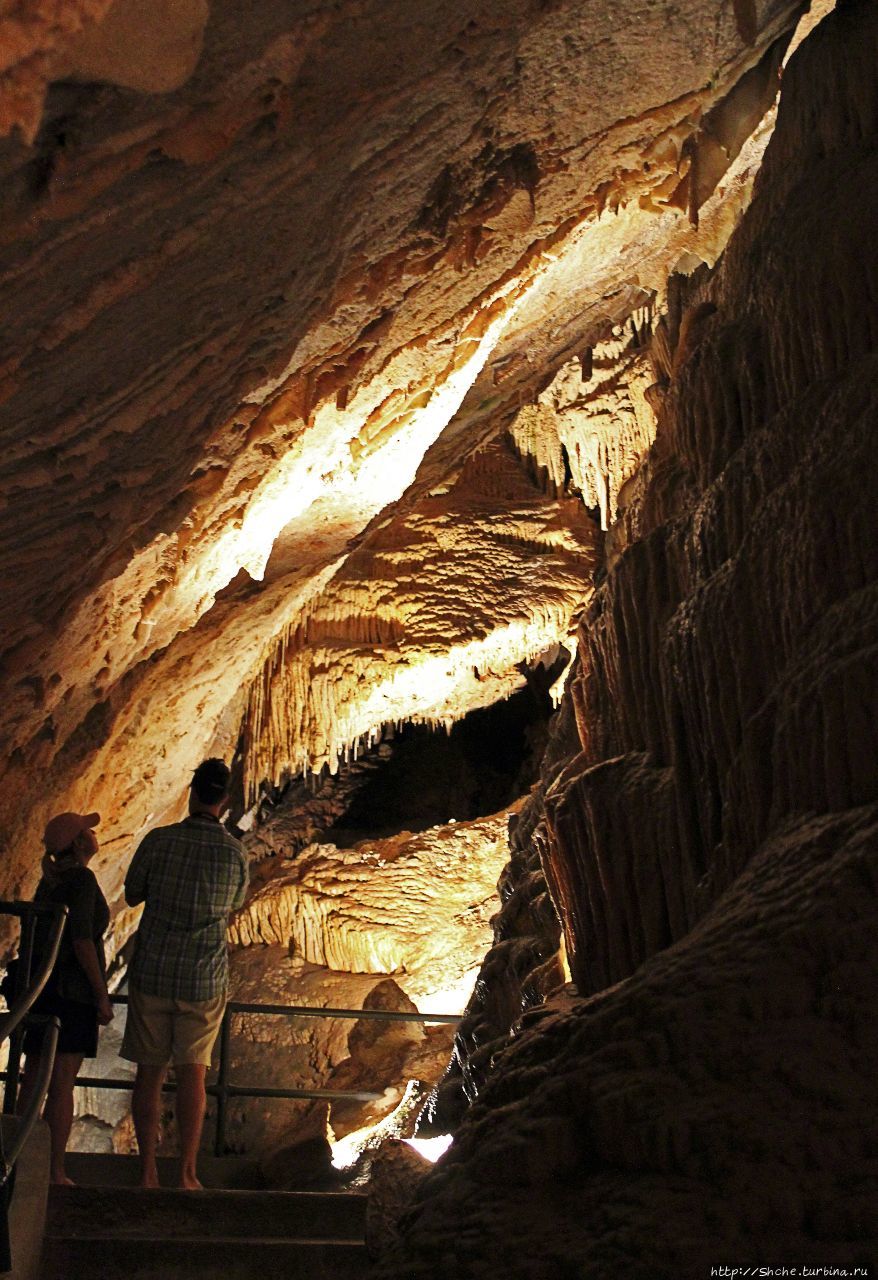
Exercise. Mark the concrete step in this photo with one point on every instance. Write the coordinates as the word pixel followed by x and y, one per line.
pixel 129 1212
pixel 204 1258
pixel 88 1169
pixel 109 1227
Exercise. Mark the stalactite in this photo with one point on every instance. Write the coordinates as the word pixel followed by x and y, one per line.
pixel 373 652
pixel 599 432
pixel 708 824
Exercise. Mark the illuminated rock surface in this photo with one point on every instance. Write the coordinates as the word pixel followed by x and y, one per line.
pixel 416 906
pixel 374 649
pixel 248 299
pixel 320 1053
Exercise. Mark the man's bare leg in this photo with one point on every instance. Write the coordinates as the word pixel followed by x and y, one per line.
pixel 59 1112
pixel 191 1104
pixel 146 1109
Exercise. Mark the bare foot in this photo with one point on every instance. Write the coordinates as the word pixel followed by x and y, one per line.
pixel 61 1180
pixel 149 1179
pixel 189 1182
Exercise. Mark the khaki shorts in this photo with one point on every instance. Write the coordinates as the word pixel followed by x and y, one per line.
pixel 160 1030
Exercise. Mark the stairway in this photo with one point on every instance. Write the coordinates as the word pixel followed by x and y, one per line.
pixel 110 1231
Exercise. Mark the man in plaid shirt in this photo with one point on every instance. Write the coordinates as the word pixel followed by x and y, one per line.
pixel 189 876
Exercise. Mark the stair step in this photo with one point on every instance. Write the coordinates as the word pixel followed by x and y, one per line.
pixel 79 1212
pixel 90 1169
pixel 203 1258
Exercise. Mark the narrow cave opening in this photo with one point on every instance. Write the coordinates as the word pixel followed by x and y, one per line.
pixel 416 778
pixel 487 760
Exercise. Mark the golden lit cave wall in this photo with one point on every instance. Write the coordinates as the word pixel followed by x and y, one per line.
pixel 195 222
pixel 713 1101
pixel 412 628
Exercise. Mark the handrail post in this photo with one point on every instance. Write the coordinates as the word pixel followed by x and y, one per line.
pixel 5 1242
pixel 16 1040
pixel 222 1083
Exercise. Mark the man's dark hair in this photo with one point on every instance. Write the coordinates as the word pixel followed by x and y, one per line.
pixel 210 781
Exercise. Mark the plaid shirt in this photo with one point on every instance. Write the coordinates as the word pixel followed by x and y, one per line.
pixel 189 876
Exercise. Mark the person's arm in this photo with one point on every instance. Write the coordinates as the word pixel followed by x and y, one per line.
pixel 241 892
pixel 86 953
pixel 136 877
pixel 81 908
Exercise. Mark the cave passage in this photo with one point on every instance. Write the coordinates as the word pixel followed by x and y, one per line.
pixel 488 760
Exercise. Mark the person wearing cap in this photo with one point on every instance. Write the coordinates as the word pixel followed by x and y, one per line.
pixel 189 876
pixel 76 991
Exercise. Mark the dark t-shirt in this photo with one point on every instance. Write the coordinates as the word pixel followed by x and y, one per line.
pixel 87 918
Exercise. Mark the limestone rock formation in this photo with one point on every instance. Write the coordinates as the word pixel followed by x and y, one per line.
pixel 525 963
pixel 419 907
pixel 415 906
pixel 748 472
pixel 713 1105
pixel 297 816
pixel 711 842
pixel 589 430
pixel 152 48
pixel 375 1060
pixel 248 282
pixel 355 368
pixel 399 633
pixel 395 1173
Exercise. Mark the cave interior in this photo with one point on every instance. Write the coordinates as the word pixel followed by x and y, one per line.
pixel 460 418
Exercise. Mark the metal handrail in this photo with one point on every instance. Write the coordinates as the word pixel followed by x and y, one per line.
pixel 25 998
pixel 223 1090
pixel 11 1026
pixel 308 1011
pixel 31 1113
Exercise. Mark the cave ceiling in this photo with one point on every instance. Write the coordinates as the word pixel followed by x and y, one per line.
pixel 286 294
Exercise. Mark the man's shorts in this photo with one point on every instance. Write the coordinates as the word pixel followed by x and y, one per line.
pixel 160 1030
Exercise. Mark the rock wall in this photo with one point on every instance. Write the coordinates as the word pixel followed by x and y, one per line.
pixel 585 436
pixel 412 629
pixel 368 1057
pixel 416 906
pixel 525 963
pixel 249 277
pixel 737 626
pixel 712 843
